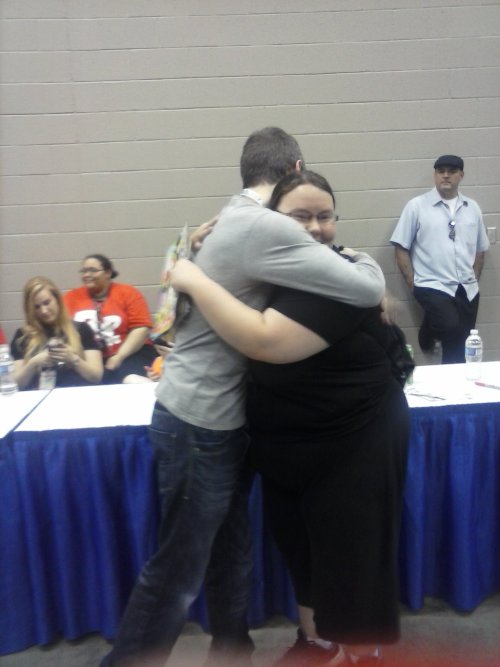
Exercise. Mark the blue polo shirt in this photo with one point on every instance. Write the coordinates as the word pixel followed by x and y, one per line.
pixel 438 261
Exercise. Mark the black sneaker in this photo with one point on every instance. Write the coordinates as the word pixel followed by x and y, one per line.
pixel 306 653
pixel 425 338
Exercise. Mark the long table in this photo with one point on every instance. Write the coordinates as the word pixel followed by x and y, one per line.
pixel 78 508
pixel 450 534
pixel 16 407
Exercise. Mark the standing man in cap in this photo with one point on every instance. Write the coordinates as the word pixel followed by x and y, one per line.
pixel 440 243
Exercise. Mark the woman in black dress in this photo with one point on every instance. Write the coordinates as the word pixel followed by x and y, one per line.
pixel 329 426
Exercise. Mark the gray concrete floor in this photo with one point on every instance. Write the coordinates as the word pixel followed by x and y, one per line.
pixel 435 637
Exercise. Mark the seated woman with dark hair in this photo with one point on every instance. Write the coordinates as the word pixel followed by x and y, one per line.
pixel 118 315
pixel 50 349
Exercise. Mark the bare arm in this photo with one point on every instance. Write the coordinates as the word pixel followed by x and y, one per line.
pixel 478 264
pixel 268 336
pixel 26 369
pixel 134 341
pixel 89 367
pixel 405 265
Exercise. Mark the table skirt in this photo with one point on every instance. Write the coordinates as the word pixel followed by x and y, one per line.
pixel 79 512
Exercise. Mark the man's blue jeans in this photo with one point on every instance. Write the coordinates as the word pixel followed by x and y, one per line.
pixel 198 473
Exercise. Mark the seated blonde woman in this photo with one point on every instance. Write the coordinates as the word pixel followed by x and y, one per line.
pixel 50 349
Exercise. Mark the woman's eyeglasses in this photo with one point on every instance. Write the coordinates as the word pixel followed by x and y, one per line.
pixel 90 270
pixel 451 233
pixel 305 218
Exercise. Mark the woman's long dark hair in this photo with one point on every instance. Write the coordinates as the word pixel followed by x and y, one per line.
pixel 106 263
pixel 294 180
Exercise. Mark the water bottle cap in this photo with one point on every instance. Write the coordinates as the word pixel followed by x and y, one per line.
pixel 474 332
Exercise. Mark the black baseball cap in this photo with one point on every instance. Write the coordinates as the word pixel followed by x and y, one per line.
pixel 449 161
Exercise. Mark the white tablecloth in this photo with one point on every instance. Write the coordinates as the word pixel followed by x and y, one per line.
pixel 132 404
pixel 93 407
pixel 15 407
pixel 447 385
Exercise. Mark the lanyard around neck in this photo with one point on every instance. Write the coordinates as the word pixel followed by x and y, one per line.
pixel 251 194
pixel 99 335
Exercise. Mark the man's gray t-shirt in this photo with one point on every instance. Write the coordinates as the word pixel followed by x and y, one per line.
pixel 250 249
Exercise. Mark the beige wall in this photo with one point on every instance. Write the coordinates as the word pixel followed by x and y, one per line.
pixel 122 120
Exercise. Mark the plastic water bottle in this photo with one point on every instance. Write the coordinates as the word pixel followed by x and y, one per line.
pixel 473 355
pixel 8 385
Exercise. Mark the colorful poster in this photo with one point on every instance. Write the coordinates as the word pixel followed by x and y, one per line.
pixel 171 305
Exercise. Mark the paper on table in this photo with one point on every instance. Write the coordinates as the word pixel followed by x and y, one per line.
pixel 448 382
pixel 413 391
